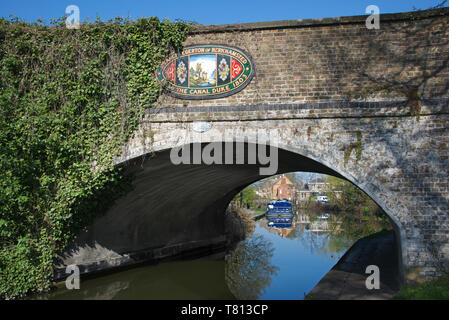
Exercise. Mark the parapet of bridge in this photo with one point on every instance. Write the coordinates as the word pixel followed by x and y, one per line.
pixel 330 59
pixel 370 106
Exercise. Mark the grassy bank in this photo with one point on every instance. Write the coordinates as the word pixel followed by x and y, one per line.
pixel 256 212
pixel 432 290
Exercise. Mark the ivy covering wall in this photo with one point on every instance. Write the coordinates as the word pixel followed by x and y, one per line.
pixel 69 99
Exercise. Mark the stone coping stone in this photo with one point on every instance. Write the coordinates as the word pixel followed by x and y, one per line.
pixel 303 23
pixel 338 104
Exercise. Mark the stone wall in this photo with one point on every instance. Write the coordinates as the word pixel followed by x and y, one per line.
pixel 403 163
pixel 370 106
pixel 335 59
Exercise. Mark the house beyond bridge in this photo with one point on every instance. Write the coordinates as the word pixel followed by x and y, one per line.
pixel 281 189
pixel 368 106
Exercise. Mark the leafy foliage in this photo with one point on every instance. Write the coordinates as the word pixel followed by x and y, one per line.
pixel 248 197
pixel 69 99
pixel 361 216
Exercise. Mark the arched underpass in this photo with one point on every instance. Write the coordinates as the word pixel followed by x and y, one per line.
pixel 173 209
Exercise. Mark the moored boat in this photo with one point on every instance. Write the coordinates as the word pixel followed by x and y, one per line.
pixel 279 210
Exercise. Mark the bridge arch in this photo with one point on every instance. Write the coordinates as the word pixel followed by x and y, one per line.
pixel 175 208
pixel 392 144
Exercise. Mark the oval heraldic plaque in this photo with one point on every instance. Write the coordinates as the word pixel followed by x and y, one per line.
pixel 206 72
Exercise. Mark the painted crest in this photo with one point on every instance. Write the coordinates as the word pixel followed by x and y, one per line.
pixel 206 72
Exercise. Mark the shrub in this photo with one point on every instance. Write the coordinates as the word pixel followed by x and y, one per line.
pixel 69 99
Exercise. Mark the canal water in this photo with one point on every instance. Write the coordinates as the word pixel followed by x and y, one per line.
pixel 273 263
pixel 284 263
pixel 192 280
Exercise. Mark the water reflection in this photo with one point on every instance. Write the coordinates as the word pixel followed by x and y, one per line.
pixel 285 259
pixel 248 269
pixel 164 281
pixel 306 228
pixel 280 260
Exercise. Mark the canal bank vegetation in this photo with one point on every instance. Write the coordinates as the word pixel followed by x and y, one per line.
pixel 360 214
pixel 356 214
pixel 69 99
pixel 239 224
pixel 246 197
pixel 437 289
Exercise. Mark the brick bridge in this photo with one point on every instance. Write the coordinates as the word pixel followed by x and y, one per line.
pixel 370 106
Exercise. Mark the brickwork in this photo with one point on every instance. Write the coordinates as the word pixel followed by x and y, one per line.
pixel 336 59
pixel 369 105
pixel 403 165
pixel 321 84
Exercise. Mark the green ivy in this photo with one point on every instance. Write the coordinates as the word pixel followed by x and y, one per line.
pixel 69 99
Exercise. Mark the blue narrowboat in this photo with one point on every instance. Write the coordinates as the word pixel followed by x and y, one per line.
pixel 279 210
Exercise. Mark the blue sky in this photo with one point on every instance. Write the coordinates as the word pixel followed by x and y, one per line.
pixel 206 12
